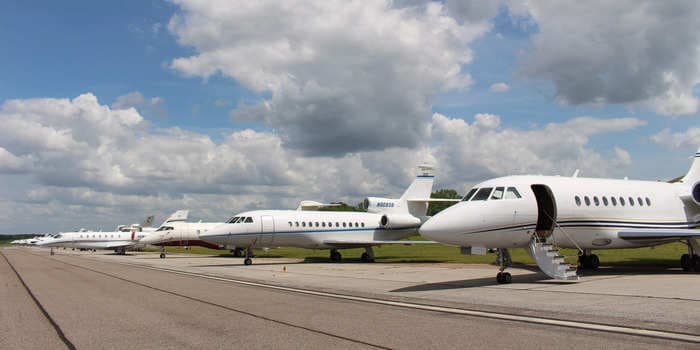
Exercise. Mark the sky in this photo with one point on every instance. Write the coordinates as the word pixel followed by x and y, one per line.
pixel 111 112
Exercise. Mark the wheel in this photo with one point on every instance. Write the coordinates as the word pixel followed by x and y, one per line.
pixel 365 258
pixel 507 278
pixel 696 263
pixel 162 255
pixel 248 261
pixel 593 262
pixel 335 256
pixel 686 262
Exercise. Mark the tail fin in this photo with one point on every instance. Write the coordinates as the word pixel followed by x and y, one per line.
pixel 180 215
pixel 693 174
pixel 148 222
pixel 414 199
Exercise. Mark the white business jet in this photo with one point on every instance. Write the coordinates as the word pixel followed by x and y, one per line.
pixel 543 213
pixel 119 240
pixel 181 233
pixel 385 222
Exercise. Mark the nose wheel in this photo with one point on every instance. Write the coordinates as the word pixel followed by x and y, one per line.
pixel 504 278
pixel 248 261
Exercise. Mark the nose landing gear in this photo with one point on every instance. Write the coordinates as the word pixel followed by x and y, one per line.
pixel 588 261
pixel 503 260
pixel 691 261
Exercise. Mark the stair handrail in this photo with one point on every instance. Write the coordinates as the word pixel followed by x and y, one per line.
pixel 564 232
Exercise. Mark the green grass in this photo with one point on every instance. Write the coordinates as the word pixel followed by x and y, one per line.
pixel 665 255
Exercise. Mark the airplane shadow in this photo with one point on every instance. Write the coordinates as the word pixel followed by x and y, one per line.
pixel 471 283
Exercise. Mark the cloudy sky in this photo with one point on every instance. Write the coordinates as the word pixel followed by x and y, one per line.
pixel 110 112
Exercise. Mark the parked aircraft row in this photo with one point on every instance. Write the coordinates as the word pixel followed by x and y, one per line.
pixel 538 213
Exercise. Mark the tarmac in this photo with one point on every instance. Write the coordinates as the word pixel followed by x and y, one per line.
pixel 87 300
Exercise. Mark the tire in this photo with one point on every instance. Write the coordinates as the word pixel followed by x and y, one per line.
pixel 248 261
pixel 686 262
pixel 594 262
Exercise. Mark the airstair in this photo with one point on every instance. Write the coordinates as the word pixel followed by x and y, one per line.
pixel 550 261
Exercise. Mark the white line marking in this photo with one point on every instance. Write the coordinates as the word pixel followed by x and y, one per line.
pixel 493 315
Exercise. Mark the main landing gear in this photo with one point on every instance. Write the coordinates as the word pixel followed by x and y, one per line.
pixel 503 260
pixel 368 255
pixel 588 261
pixel 162 252
pixel 335 255
pixel 237 252
pixel 691 261
pixel 248 256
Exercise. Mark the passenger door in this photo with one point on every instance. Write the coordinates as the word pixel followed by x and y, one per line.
pixel 267 229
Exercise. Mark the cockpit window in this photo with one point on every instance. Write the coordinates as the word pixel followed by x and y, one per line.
pixel 469 194
pixel 497 193
pixel 57 236
pixel 248 220
pixel 482 194
pixel 165 228
pixel 232 220
pixel 512 193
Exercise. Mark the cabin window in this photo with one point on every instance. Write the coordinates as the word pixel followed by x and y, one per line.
pixel 605 201
pixel 596 201
pixel 497 193
pixel 323 224
pixel 648 201
pixel 337 224
pixel 317 224
pixel 469 194
pixel 614 201
pixel 639 200
pixel 303 224
pixel 344 224
pixel 330 224
pixel 587 200
pixel 512 193
pixel 631 201
pixel 577 199
pixel 290 224
pixel 482 194
pixel 296 223
pixel 362 224
pixel 249 220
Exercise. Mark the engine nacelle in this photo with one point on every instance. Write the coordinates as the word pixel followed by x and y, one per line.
pixel 694 196
pixel 398 221
pixel 378 204
pixel 695 193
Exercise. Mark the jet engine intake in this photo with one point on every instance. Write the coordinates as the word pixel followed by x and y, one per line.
pixel 398 221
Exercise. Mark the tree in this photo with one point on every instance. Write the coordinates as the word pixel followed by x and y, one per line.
pixel 437 207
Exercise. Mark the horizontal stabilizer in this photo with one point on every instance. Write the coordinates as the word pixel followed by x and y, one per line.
pixel 632 235
pixel 369 243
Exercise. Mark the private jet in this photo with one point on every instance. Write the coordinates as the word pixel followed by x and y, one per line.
pixel 119 240
pixel 385 222
pixel 545 213
pixel 180 233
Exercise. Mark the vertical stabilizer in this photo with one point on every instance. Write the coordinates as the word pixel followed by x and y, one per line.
pixel 693 174
pixel 420 189
pixel 180 215
pixel 148 222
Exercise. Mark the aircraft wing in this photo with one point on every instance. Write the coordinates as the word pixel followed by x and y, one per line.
pixel 113 244
pixel 661 234
pixel 369 243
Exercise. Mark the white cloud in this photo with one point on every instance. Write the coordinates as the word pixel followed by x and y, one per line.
pixel 343 76
pixel 499 87
pixel 154 106
pixel 629 51
pixel 87 158
pixel 687 138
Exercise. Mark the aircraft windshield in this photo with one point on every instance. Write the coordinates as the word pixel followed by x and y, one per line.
pixel 469 194
pixel 57 236
pixel 165 228
pixel 512 193
pixel 482 194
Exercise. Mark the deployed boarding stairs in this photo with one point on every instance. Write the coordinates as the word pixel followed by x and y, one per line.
pixel 542 246
pixel 550 261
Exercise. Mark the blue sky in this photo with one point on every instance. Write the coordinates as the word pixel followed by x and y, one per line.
pixel 60 50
